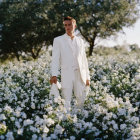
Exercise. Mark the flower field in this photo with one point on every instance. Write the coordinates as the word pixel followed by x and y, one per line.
pixel 111 110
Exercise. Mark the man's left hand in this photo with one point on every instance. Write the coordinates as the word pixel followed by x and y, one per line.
pixel 88 83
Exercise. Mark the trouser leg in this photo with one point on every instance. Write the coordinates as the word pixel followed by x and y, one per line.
pixel 79 89
pixel 67 94
pixel 67 89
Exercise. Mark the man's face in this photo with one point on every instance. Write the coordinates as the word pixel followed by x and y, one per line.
pixel 69 26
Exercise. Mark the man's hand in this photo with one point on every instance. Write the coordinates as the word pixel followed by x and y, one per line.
pixel 88 83
pixel 53 80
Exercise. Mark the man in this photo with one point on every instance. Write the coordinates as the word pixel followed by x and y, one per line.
pixel 69 54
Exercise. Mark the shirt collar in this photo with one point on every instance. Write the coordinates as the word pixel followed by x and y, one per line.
pixel 67 36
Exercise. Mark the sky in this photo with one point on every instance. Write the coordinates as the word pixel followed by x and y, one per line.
pixel 131 36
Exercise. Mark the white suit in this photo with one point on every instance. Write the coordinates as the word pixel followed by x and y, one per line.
pixel 62 57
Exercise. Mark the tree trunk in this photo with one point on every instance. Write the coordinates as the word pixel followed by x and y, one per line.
pixel 17 56
pixel 92 44
pixel 91 41
pixel 91 48
pixel 35 55
pixel 15 51
pixel 38 51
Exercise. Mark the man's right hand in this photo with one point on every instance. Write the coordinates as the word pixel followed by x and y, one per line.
pixel 53 80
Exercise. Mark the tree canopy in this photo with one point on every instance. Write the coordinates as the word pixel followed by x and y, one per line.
pixel 25 26
pixel 103 18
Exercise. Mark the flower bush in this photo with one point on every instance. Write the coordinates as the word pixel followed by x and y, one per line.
pixel 111 110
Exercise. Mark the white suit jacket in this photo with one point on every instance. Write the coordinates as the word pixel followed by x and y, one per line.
pixel 62 58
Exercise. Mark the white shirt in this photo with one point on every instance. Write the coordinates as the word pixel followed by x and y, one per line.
pixel 73 45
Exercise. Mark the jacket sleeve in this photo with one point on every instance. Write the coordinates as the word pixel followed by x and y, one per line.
pixel 86 62
pixel 55 58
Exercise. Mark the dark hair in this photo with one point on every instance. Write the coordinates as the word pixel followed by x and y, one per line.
pixel 69 18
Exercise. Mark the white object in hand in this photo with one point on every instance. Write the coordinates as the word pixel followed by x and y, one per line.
pixel 87 89
pixel 58 85
pixel 54 90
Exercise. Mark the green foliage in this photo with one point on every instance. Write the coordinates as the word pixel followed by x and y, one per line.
pixel 101 19
pixel 26 26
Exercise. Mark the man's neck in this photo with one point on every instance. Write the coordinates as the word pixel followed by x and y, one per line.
pixel 71 35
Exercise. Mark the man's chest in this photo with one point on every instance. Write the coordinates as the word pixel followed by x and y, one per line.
pixel 70 47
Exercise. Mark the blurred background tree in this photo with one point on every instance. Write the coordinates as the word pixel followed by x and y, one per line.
pixel 103 18
pixel 26 26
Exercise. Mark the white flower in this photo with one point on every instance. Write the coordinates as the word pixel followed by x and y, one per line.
pixel 58 129
pixel 88 124
pixel 134 119
pixel 49 109
pixel 27 122
pixel 9 136
pixel 23 115
pixel 49 121
pixel 33 106
pixel 99 105
pixel 20 131
pixel 33 129
pixel 111 103
pixel 37 118
pixel 47 138
pixel 53 136
pixel 2 137
pixel 123 126
pixel 8 109
pixel 121 111
pixel 75 118
pixel 45 130
pixel 3 127
pixel 34 137
pixel 2 117
pixel 17 113
pixel 85 113
pixel 72 138
pixel 83 139
pixel 97 133
pixel 104 127
pixel 137 77
pixel 12 118
pixel 106 136
pixel 29 75
pixel 60 116
pixel 114 116
pixel 136 133
pixel 115 126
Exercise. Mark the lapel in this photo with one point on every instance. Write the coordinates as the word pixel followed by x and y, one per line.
pixel 79 51
pixel 67 40
pixel 77 45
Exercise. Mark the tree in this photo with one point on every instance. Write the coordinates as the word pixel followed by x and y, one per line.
pixel 27 25
pixel 24 27
pixel 95 19
pixel 103 18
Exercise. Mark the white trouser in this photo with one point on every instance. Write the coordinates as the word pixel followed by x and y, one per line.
pixel 76 85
